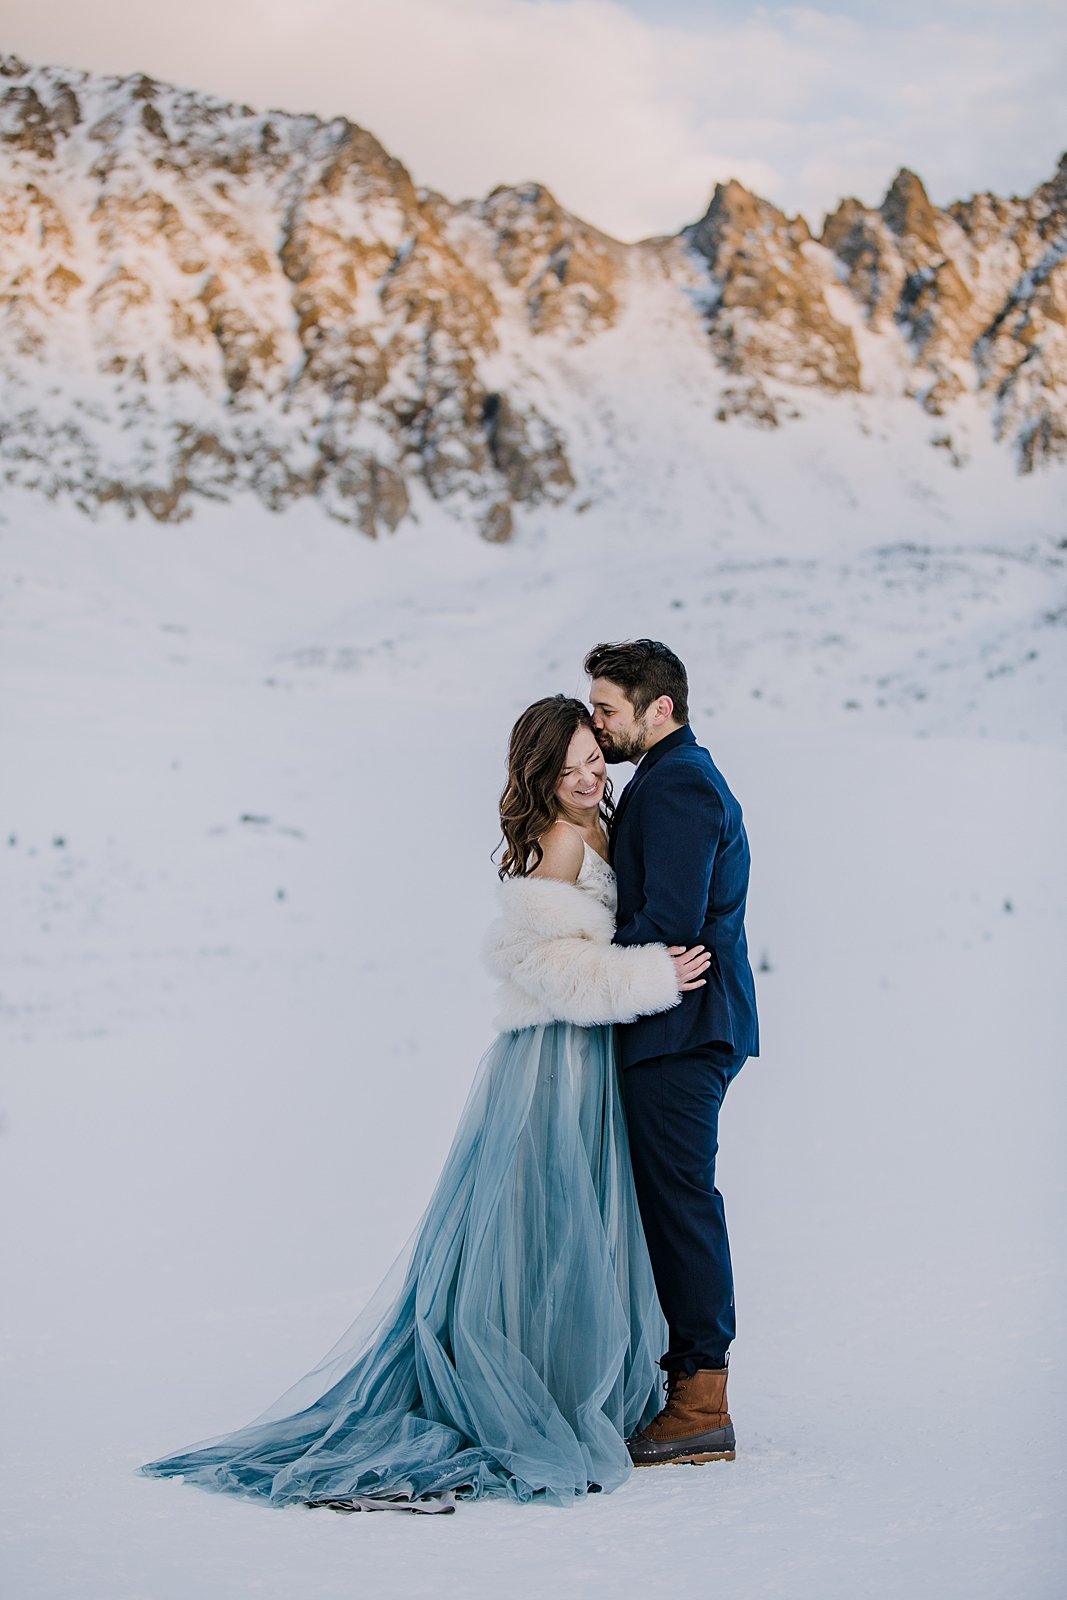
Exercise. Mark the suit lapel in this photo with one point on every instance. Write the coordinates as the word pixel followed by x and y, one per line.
pixel 648 761
pixel 613 830
pixel 620 812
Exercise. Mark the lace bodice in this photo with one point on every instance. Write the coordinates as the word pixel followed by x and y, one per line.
pixel 598 879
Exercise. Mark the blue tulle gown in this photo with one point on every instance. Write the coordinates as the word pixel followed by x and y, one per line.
pixel 514 1346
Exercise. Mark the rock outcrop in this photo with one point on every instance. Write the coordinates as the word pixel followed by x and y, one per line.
pixel 280 277
pixel 197 298
pixel 768 312
pixel 979 291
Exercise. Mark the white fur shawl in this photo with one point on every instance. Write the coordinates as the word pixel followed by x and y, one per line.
pixel 551 947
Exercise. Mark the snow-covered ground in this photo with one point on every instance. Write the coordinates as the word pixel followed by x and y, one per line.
pixel 249 782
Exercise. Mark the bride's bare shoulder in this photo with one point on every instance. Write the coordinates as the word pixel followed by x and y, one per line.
pixel 564 853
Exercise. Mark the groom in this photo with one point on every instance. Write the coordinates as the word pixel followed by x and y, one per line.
pixel 681 858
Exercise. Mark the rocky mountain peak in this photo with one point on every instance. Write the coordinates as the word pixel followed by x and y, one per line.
pixel 736 216
pixel 566 270
pixel 198 297
pixel 1051 197
pixel 907 212
pixel 979 291
pixel 768 314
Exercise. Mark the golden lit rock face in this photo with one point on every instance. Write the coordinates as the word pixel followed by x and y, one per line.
pixel 978 291
pixel 770 315
pixel 281 275
pixel 566 271
pixel 215 300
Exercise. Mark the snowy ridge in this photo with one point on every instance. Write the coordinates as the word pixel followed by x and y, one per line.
pixel 198 299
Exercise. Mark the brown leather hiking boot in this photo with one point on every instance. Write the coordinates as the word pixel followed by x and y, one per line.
pixel 693 1427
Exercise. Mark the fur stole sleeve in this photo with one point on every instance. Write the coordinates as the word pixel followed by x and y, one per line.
pixel 551 948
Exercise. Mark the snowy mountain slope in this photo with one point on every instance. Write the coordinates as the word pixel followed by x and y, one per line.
pixel 198 298
pixel 247 807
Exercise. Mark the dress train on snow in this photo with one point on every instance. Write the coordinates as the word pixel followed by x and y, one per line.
pixel 521 1347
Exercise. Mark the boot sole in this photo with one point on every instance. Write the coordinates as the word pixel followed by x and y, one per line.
pixel 696 1458
pixel 717 1444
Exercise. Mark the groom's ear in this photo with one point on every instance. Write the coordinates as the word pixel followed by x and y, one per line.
pixel 662 709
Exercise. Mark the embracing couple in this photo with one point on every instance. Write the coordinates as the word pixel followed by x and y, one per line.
pixel 575 1248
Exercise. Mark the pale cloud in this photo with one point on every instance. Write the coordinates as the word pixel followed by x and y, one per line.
pixel 629 114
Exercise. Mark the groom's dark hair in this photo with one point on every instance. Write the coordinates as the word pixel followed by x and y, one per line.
pixel 643 669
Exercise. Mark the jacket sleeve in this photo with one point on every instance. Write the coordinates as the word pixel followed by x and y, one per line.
pixel 585 982
pixel 683 823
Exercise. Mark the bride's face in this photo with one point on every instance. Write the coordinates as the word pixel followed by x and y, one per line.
pixel 581 784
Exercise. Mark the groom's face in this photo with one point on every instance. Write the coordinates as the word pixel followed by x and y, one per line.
pixel 621 733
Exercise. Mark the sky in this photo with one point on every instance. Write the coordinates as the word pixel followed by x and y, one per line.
pixel 630 111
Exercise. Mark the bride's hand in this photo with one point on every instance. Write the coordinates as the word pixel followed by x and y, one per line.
pixel 688 965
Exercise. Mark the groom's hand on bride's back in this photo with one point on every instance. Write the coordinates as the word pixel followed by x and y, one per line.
pixel 688 965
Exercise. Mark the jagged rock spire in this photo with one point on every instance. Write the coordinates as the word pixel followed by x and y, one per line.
pixel 267 302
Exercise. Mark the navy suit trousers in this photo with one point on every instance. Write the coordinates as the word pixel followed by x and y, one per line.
pixel 672 1117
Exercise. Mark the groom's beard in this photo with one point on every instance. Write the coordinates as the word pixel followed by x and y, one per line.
pixel 620 749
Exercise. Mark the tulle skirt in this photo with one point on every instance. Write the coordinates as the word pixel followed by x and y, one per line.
pixel 514 1346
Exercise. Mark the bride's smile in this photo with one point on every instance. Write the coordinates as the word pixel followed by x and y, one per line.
pixel 581 783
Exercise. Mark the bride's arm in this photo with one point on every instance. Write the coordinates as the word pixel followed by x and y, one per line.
pixel 579 980
pixel 555 945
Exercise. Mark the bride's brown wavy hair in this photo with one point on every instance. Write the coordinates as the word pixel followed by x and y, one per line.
pixel 537 752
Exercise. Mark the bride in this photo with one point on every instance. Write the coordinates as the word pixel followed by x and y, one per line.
pixel 514 1346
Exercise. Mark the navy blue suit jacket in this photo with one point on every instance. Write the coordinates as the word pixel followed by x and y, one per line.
pixel 680 853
